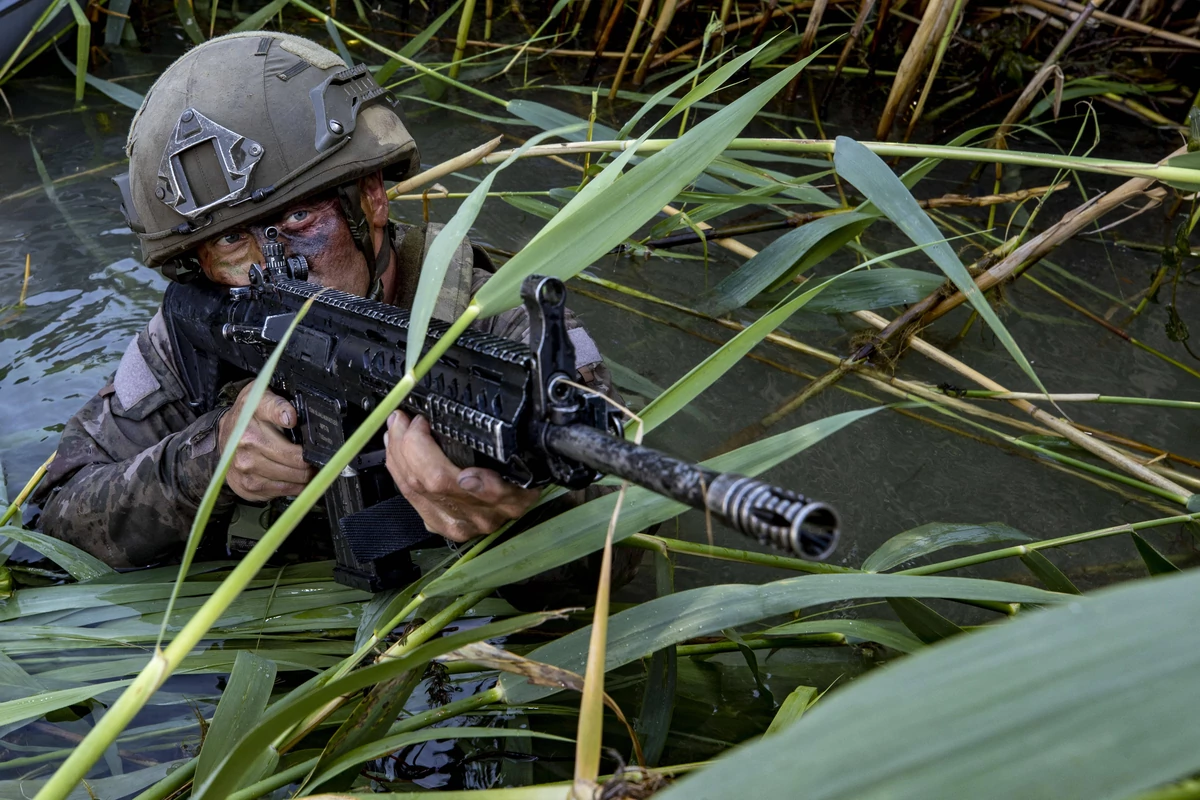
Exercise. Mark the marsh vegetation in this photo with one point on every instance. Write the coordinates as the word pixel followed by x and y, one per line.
pixel 933 262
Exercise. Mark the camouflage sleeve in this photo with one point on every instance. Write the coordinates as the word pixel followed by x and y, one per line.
pixel 133 464
pixel 573 583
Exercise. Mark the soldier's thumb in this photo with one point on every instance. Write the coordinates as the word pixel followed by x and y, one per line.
pixel 276 410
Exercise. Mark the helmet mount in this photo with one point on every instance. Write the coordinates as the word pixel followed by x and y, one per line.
pixel 196 136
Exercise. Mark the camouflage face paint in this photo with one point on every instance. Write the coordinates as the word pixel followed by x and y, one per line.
pixel 313 228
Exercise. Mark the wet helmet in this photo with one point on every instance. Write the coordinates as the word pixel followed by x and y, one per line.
pixel 245 125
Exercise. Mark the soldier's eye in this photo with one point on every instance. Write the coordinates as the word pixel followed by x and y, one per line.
pixel 298 216
pixel 232 238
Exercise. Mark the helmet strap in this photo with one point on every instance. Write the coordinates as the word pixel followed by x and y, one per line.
pixel 360 230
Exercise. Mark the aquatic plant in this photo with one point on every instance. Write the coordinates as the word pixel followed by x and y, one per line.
pixel 1009 689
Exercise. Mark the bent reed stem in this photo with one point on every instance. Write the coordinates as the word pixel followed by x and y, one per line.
pixel 1101 166
pixel 1061 541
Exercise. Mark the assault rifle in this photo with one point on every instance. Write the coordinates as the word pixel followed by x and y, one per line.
pixel 490 402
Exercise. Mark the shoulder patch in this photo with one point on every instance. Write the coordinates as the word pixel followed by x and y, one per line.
pixel 586 351
pixel 134 381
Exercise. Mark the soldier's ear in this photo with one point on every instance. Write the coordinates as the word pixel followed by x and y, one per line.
pixel 374 200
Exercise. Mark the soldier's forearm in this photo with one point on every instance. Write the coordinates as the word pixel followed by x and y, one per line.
pixel 138 512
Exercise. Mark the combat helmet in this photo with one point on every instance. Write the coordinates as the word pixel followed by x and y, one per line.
pixel 245 125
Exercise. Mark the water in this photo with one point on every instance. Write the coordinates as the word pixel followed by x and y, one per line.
pixel 88 295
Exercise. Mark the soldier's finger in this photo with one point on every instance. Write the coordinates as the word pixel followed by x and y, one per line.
pixel 272 445
pixel 275 410
pixel 423 454
pixel 287 473
pixel 487 487
pixel 261 491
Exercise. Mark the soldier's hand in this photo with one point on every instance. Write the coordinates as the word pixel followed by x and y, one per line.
pixel 266 463
pixel 459 504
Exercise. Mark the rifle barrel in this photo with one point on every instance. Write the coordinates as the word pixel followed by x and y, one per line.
pixel 782 518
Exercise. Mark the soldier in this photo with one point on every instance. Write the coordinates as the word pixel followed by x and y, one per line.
pixel 244 132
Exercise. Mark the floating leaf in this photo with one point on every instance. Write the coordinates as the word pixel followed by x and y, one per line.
pixel 878 288
pixel 928 625
pixel 794 706
pixel 790 254
pixel 685 615
pixel 81 566
pixel 934 536
pixel 242 703
pixel 1044 570
pixel 115 91
pixel 1156 562
pixel 885 632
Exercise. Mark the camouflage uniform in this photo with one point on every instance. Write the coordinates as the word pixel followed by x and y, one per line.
pixel 234 132
pixel 133 464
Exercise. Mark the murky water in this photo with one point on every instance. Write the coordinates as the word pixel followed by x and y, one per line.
pixel 88 294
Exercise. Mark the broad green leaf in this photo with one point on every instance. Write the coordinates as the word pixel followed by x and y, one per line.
pixel 653 726
pixel 792 253
pixel 619 208
pixel 885 632
pixel 778 47
pixel 928 625
pixel 706 373
pixel 653 100
pixel 1036 709
pixel 1044 570
pixel 115 91
pixel 1156 562
pixel 581 530
pixel 370 720
pixel 793 707
pixel 115 25
pixel 798 188
pixel 259 18
pixel 934 536
pixel 669 620
pixel 187 17
pixel 312 695
pixel 332 30
pixel 414 46
pixel 15 682
pixel 550 791
pixel 114 786
pixel 15 713
pixel 876 180
pixel 878 288
pixel 531 205
pixel 841 236
pixel 1073 90
pixel 390 744
pixel 714 205
pixel 242 703
pixel 81 566
pixel 437 261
